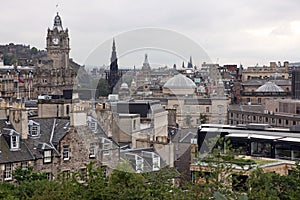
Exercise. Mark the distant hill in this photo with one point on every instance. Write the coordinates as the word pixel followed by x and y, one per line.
pixel 296 64
pixel 19 54
pixel 24 55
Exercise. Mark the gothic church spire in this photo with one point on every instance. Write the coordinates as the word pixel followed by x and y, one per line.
pixel 113 53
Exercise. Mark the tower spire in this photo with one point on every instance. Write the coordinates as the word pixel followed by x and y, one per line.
pixel 146 59
pixel 190 64
pixel 146 65
pixel 113 53
pixel 113 76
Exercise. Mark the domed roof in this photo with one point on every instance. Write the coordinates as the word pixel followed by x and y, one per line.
pixel 124 86
pixel 269 87
pixel 180 81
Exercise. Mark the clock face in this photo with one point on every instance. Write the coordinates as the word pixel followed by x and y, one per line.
pixel 55 40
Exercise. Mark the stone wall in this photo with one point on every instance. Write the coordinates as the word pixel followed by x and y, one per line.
pixel 105 119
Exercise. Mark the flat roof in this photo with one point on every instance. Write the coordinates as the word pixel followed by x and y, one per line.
pixel 290 139
pixel 272 134
pixel 268 137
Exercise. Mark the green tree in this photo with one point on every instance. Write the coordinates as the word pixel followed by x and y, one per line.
pixel 270 185
pixel 10 59
pixel 8 191
pixel 203 118
pixel 25 175
pixel 161 185
pixel 262 185
pixel 33 51
pixel 102 88
pixel 218 172
pixel 95 183
pixel 125 184
pixel 41 189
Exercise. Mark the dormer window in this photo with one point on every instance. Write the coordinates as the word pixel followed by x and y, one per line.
pixel 92 123
pixel 155 159
pixel 34 131
pixel 46 150
pixel 14 141
pixel 93 126
pixel 34 128
pixel 48 156
pixel 106 148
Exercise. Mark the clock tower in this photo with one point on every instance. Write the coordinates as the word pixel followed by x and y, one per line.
pixel 56 72
pixel 58 47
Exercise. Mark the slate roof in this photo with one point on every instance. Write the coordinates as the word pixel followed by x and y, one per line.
pixel 182 141
pixel 156 108
pixel 248 108
pixel 4 124
pixel 8 156
pixel 184 135
pixel 32 147
pixel 36 144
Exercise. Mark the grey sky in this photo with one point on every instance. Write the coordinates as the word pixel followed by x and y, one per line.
pixel 230 31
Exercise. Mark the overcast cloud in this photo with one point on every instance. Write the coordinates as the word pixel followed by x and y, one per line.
pixel 230 31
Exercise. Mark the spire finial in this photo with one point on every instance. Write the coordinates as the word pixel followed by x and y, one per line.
pixel 56 6
pixel 114 45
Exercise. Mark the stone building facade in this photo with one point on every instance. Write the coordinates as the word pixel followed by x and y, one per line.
pixel 259 91
pixel 269 114
pixel 180 93
pixel 265 72
pixel 57 146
